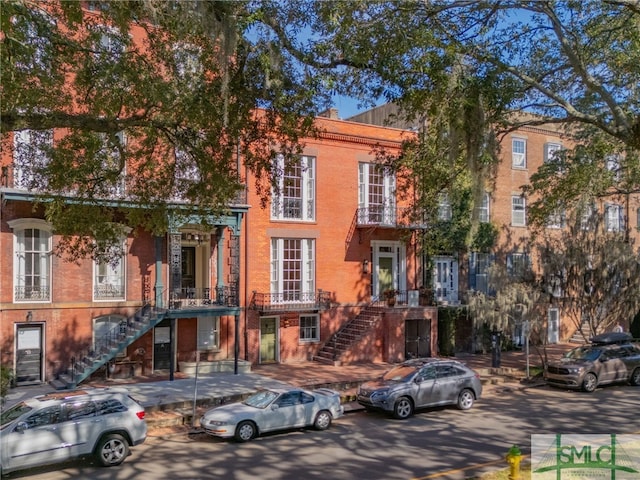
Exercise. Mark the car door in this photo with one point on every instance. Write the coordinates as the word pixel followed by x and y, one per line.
pixel 287 411
pixel 612 367
pixel 449 383
pixel 36 440
pixel 425 387
pixel 80 427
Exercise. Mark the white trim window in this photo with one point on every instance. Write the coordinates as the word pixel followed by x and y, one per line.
pixel 445 212
pixel 208 333
pixel 518 265
pixel 115 177
pixel 106 329
pixel 550 150
pixel 518 211
pixel 614 217
pixel 484 212
pixel 32 248
pixel 294 197
pixel 613 165
pixel 309 328
pixel 518 153
pixel 109 273
pixel 293 270
pixel 376 195
pixel 31 154
pixel 557 218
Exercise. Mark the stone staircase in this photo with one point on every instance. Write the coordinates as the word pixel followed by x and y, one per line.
pixel 348 335
pixel 578 336
pixel 86 362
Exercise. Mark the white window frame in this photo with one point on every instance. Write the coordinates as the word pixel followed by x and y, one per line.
pixel 43 257
pixel 557 218
pixel 445 211
pixel 550 150
pixel 281 286
pixel 613 165
pixel 306 211
pixel 29 155
pixel 112 158
pixel 519 155
pixel 383 212
pixel 111 277
pixel 518 211
pixel 306 331
pixel 484 209
pixel 208 333
pixel 518 264
pixel 587 216
pixel 614 217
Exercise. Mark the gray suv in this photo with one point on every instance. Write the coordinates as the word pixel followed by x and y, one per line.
pixel 609 358
pixel 421 382
pixel 59 426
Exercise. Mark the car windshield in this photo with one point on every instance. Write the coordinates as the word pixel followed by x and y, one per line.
pixel 401 373
pixel 584 353
pixel 261 399
pixel 12 413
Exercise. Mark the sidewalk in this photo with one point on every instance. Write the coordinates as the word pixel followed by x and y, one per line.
pixel 171 402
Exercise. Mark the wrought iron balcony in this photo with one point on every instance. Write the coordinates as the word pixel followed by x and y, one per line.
pixel 290 301
pixel 33 293
pixel 185 298
pixel 377 216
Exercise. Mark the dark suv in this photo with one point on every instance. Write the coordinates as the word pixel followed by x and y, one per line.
pixel 609 358
pixel 59 426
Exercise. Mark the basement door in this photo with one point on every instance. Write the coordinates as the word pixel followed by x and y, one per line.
pixel 417 336
pixel 162 347
pixel 268 340
pixel 29 354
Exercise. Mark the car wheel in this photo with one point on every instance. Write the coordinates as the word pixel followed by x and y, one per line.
pixel 635 377
pixel 590 382
pixel 403 408
pixel 245 431
pixel 465 399
pixel 112 450
pixel 322 421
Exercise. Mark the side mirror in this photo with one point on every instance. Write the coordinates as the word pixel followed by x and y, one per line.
pixel 275 406
pixel 21 427
pixel 418 380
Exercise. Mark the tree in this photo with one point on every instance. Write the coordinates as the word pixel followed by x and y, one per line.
pixel 591 271
pixel 159 96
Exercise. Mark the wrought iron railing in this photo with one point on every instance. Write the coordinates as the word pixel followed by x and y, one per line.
pixel 35 293
pixel 377 215
pixel 288 301
pixel 196 297
pixel 104 292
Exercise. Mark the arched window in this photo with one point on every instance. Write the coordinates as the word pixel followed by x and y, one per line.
pixel 32 260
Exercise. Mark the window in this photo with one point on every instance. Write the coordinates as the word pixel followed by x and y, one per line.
pixel 293 270
pixel 376 195
pixel 188 66
pixel 557 218
pixel 111 44
pixel 114 178
pixel 550 150
pixel 479 264
pixel 444 208
pixel 519 153
pixel 587 217
pixel 483 210
pixel 43 417
pixel 32 260
pixel 186 173
pixel 614 217
pixel 109 271
pixel 613 165
pixel 208 333
pixel 294 199
pixel 518 265
pixel 518 211
pixel 309 328
pixel 33 34
pixel 32 153
pixel 80 410
pixel 106 329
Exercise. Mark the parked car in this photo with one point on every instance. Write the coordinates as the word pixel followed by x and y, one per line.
pixel 609 358
pixel 273 409
pixel 421 382
pixel 58 426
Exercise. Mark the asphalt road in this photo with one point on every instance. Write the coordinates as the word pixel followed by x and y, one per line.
pixel 434 444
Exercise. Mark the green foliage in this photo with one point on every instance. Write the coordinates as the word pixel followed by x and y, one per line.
pixel 485 237
pixel 6 377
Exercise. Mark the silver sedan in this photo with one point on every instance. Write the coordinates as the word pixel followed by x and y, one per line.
pixel 274 409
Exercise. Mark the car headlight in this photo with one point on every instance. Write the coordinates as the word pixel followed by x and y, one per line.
pixel 214 423
pixel 574 370
pixel 380 394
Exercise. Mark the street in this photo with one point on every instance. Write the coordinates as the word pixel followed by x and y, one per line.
pixel 440 443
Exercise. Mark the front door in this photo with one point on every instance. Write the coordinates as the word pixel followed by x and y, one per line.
pixel 29 354
pixel 445 279
pixel 162 347
pixel 389 267
pixel 268 340
pixel 553 325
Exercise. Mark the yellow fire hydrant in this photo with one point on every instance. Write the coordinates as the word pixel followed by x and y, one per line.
pixel 514 457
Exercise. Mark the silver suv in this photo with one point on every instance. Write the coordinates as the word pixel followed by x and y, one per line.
pixel 421 382
pixel 58 426
pixel 609 358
